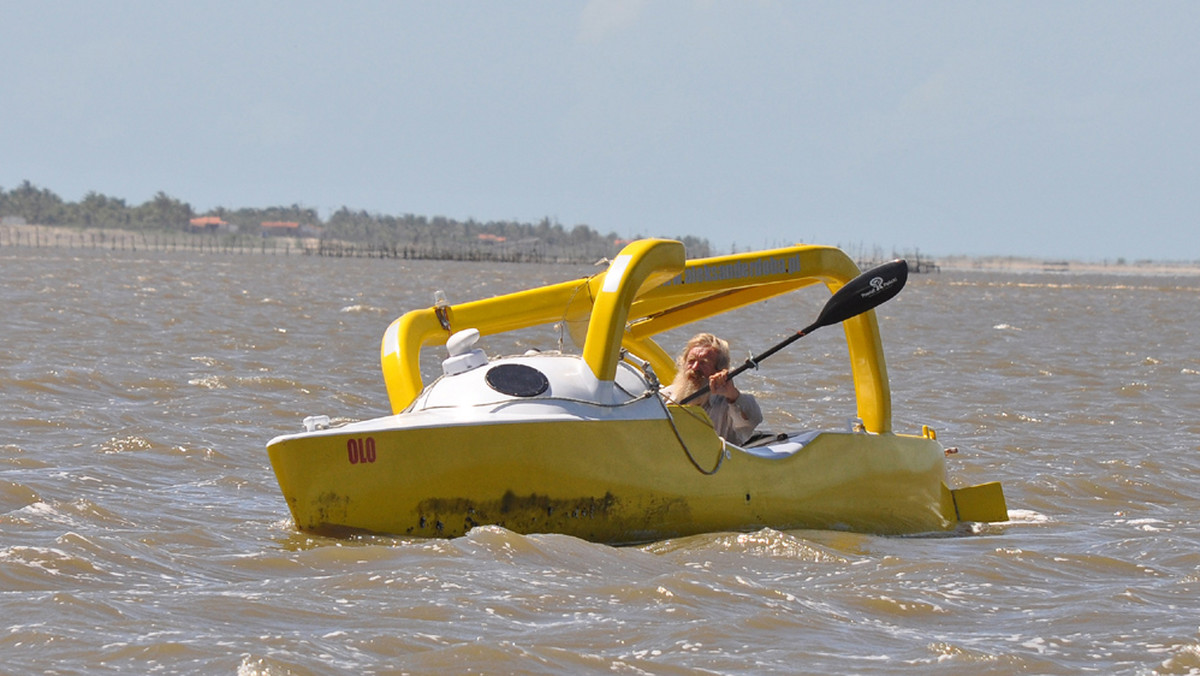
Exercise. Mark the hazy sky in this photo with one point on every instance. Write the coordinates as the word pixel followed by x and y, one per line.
pixel 1055 129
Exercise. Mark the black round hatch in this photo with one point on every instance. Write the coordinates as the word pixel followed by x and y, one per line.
pixel 517 380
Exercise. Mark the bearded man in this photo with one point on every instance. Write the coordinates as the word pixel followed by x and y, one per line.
pixel 705 361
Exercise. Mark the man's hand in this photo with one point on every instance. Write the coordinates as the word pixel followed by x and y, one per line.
pixel 719 383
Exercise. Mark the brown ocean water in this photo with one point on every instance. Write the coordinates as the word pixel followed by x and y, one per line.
pixel 142 531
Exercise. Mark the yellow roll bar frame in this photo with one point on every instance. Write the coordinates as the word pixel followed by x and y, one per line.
pixel 648 288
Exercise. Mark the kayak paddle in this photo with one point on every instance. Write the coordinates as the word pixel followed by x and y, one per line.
pixel 866 291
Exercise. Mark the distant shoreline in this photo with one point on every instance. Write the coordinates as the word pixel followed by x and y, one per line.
pixel 1024 265
pixel 114 239
pixel 62 237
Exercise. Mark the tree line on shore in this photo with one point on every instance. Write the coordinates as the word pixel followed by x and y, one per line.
pixel 421 236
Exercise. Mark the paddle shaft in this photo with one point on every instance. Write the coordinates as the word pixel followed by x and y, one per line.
pixel 866 291
pixel 752 361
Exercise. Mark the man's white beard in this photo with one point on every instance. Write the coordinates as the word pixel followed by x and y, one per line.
pixel 686 384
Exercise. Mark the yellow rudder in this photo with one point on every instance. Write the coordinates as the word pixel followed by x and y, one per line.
pixel 982 502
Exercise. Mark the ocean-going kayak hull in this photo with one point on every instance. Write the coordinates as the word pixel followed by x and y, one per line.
pixel 618 482
pixel 584 445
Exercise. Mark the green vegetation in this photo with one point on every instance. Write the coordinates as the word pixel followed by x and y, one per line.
pixel 408 235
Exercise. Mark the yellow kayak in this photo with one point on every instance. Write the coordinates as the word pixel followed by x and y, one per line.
pixel 583 444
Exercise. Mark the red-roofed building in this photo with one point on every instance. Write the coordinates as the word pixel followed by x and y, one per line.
pixel 207 224
pixel 281 228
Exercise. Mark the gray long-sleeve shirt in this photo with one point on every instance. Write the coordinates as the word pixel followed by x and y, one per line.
pixel 735 421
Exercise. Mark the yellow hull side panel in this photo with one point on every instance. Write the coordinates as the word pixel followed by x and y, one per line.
pixel 617 482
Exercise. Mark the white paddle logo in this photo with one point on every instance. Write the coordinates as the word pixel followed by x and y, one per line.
pixel 878 284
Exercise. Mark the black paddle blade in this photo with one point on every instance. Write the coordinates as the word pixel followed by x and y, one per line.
pixel 866 291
